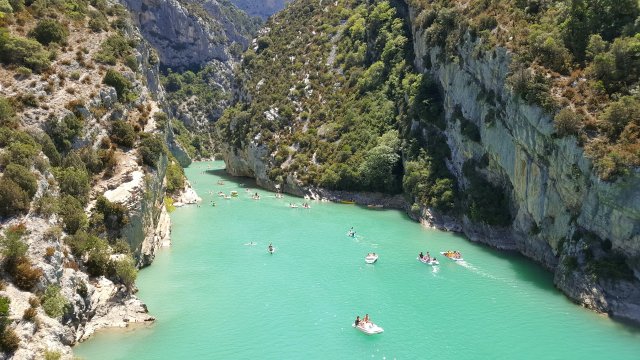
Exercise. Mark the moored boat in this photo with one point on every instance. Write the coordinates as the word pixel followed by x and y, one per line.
pixel 347 202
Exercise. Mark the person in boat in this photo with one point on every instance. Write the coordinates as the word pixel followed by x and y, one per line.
pixel 420 255
pixel 428 256
pixel 366 319
pixel 357 322
pixel 270 248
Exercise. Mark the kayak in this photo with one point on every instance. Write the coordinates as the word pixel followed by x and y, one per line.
pixel 368 328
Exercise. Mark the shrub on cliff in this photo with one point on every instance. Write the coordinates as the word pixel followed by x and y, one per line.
pixel 64 131
pixel 73 215
pixel 20 51
pixel 567 122
pixel 125 271
pixel 113 48
pixel 113 216
pixel 175 177
pixel 9 341
pixel 53 303
pixel 122 133
pixel 75 182
pixel 150 149
pixel 23 177
pixel 13 199
pixel 7 114
pixel 120 83
pixel 48 31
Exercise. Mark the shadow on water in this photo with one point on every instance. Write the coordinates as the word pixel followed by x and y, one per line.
pixel 225 176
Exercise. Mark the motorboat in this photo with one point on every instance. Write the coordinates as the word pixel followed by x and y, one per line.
pixel 234 194
pixel 256 197
pixel 371 258
pixel 368 328
pixel 227 197
pixel 271 249
pixel 220 182
pixel 431 261
pixel 220 193
pixel 453 255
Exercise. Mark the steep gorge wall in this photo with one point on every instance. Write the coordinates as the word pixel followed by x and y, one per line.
pixel 561 208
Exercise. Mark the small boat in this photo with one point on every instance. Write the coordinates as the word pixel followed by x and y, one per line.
pixel 293 206
pixel 371 258
pixel 227 197
pixel 234 194
pixel 431 262
pixel 256 197
pixel 347 202
pixel 375 206
pixel 453 255
pixel 220 182
pixel 220 193
pixel 368 328
pixel 271 250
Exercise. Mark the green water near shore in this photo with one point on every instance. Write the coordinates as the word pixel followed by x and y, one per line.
pixel 216 298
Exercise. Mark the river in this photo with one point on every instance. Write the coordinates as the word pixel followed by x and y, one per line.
pixel 215 297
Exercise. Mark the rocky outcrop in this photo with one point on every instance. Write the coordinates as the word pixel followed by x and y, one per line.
pixel 187 33
pixel 555 196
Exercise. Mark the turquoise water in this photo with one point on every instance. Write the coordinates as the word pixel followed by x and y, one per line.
pixel 216 298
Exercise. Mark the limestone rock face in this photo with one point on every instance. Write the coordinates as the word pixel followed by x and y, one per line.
pixel 555 196
pixel 189 33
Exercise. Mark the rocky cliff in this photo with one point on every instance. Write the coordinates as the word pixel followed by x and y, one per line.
pixel 557 199
pixel 188 34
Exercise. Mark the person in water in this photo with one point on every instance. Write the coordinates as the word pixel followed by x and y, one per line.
pixel 357 322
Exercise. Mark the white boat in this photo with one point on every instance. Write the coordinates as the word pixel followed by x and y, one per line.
pixel 227 197
pixel 448 254
pixel 371 258
pixel 271 250
pixel 368 328
pixel 428 262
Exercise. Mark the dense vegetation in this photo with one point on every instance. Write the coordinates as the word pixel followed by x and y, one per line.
pixel 340 116
pixel 578 59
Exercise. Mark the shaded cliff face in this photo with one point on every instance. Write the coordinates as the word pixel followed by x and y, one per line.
pixel 557 200
pixel 261 8
pixel 187 34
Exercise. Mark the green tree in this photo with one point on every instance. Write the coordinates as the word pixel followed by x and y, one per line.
pixel 48 31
